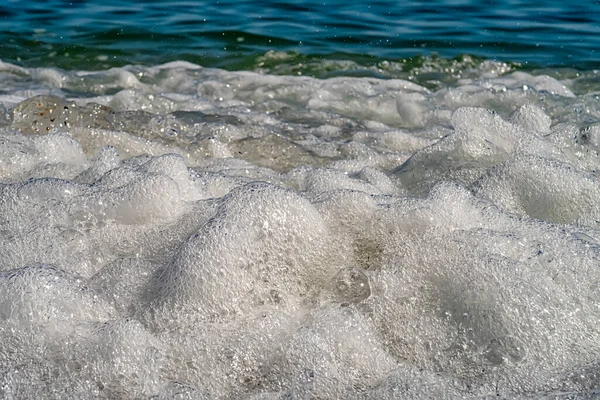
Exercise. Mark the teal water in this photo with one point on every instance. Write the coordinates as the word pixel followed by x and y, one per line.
pixel 248 35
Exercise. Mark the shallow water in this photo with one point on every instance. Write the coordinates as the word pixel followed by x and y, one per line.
pixel 236 34
pixel 352 225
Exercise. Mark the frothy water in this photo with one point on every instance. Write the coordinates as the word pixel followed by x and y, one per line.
pixel 183 232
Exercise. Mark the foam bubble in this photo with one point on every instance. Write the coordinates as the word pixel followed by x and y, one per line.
pixel 532 118
pixel 480 139
pixel 543 189
pixel 263 240
pixel 44 294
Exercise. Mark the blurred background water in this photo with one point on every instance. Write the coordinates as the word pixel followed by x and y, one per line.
pixel 242 34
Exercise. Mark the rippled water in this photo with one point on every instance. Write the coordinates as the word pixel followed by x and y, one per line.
pixel 232 34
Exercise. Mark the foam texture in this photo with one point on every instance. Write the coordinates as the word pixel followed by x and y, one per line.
pixel 177 232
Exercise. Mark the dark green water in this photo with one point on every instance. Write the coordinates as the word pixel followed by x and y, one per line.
pixel 309 37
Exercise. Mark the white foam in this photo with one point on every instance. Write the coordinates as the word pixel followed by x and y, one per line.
pixel 192 232
pixel 250 249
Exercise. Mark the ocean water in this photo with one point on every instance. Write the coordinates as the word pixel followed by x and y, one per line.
pixel 236 34
pixel 299 200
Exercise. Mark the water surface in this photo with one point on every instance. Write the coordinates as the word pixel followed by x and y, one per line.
pixel 235 34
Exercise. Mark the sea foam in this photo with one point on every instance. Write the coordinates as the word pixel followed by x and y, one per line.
pixel 183 232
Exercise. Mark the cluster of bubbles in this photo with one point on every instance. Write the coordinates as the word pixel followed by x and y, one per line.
pixel 190 233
